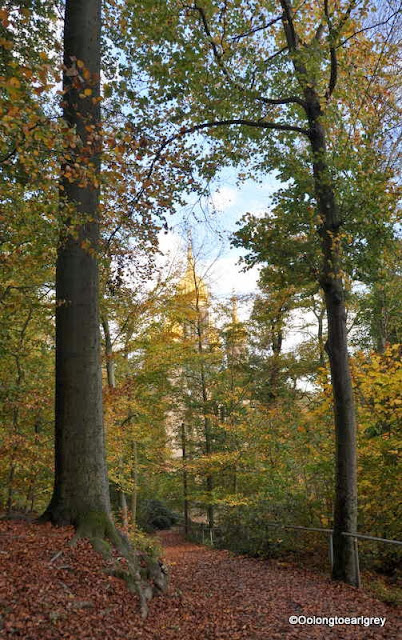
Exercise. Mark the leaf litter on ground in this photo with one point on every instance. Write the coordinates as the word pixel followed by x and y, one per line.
pixel 50 590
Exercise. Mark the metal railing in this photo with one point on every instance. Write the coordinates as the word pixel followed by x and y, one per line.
pixel 205 529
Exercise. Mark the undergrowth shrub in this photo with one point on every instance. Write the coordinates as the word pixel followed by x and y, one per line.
pixel 153 515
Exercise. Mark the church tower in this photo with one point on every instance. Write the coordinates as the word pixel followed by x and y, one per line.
pixel 194 299
pixel 236 335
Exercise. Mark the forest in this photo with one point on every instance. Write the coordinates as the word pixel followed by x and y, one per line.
pixel 155 426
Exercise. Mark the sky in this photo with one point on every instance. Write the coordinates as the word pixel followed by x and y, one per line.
pixel 216 260
pixel 211 225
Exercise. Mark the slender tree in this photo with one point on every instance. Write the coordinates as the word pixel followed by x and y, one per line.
pixel 282 68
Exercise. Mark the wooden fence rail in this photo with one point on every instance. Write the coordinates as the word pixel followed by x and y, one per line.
pixel 330 532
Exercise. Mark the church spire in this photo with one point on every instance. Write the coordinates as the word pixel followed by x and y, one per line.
pixel 191 282
pixel 190 256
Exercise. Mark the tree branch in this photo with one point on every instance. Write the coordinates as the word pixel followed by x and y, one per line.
pixel 332 52
pixel 260 124
pixel 273 126
pixel 288 25
pixel 256 29
pixel 218 57
pixel 319 32
pixel 14 150
pixel 333 74
pixel 9 155
pixel 372 26
pixel 346 16
pixel 274 55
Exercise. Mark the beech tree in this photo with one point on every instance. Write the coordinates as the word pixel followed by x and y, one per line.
pixel 273 86
pixel 240 70
pixel 81 495
pixel 81 492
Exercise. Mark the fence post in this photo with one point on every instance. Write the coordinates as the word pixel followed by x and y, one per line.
pixel 331 550
pixel 211 535
pixel 357 566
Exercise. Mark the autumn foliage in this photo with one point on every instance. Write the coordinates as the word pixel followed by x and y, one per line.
pixel 220 423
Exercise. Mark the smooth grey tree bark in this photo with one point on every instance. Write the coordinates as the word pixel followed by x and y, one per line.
pixel 81 492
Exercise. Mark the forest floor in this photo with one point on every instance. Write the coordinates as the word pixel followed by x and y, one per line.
pixel 51 591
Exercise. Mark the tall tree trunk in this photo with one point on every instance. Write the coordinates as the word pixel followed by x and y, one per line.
pixel 10 486
pixel 16 414
pixel 185 479
pixel 276 346
pixel 111 380
pixel 320 336
pixel 208 444
pixel 30 498
pixel 81 492
pixel 379 318
pixel 124 509
pixel 201 324
pixel 134 476
pixel 345 511
pixel 210 508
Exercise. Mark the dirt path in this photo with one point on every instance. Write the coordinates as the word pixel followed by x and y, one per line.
pixel 216 595
pixel 51 591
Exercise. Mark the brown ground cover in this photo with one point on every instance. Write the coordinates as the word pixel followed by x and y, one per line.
pixel 213 595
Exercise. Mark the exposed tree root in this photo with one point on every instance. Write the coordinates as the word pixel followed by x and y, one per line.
pixel 144 575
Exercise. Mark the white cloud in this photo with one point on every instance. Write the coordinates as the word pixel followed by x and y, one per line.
pixel 227 276
pixel 170 244
pixel 224 198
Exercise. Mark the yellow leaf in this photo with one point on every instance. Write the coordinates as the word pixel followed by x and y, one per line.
pixel 6 44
